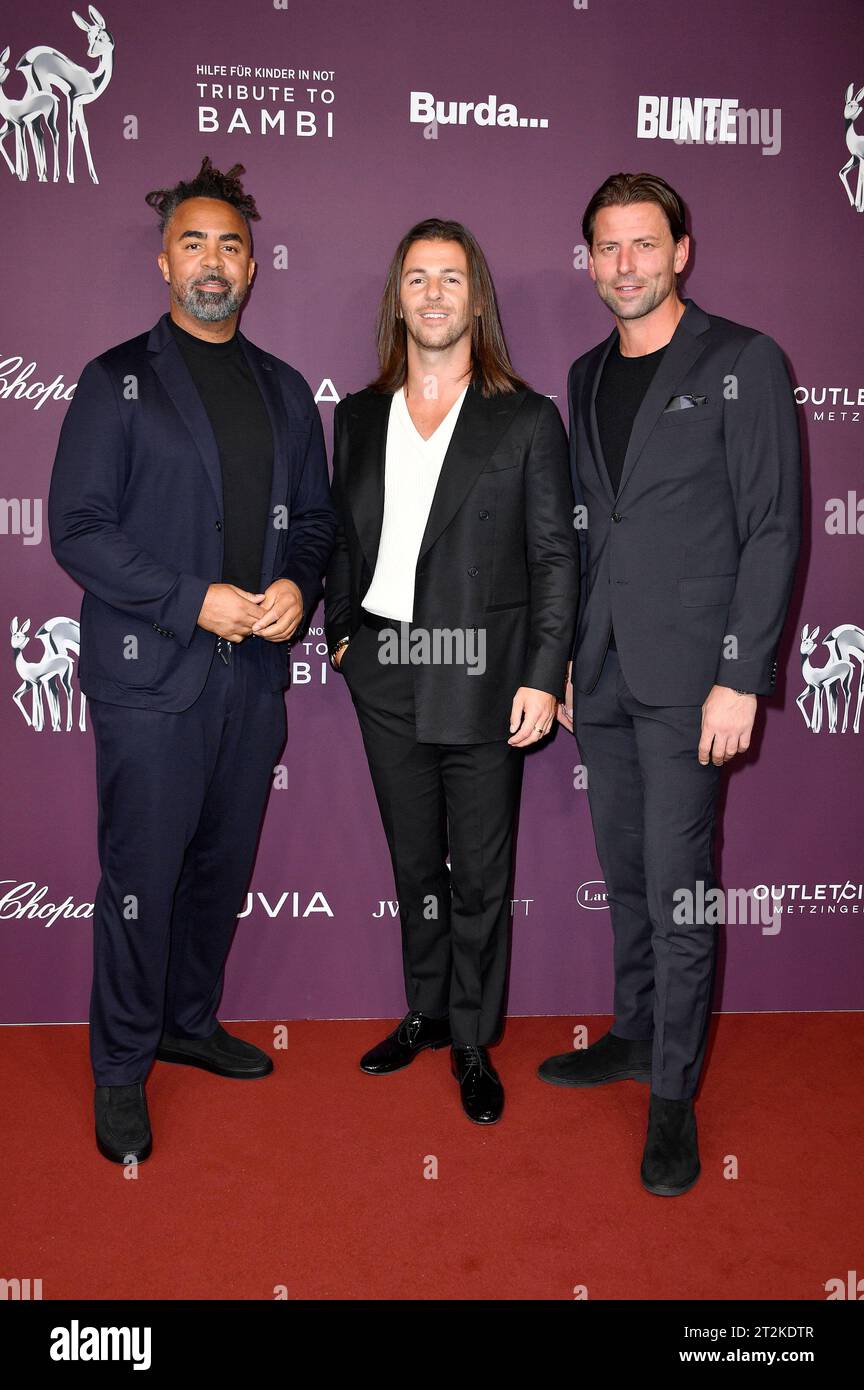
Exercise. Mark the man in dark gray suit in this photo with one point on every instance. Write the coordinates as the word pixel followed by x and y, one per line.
pixel 685 456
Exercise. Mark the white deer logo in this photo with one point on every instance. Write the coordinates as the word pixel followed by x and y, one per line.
pixel 23 116
pixel 59 637
pixel 845 646
pixel 855 146
pixel 45 68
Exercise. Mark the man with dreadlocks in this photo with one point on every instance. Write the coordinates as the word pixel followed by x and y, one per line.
pixel 190 499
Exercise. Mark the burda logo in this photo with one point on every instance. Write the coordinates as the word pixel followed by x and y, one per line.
pixel 708 121
pixel 425 110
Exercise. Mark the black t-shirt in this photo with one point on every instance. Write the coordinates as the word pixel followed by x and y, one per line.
pixel 230 395
pixel 620 393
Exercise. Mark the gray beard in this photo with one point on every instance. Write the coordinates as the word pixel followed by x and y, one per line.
pixel 208 306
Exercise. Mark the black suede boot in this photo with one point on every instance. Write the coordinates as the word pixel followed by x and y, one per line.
pixel 670 1163
pixel 122 1122
pixel 609 1059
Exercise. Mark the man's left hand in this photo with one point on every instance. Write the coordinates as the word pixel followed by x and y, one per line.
pixel 536 710
pixel 281 611
pixel 727 722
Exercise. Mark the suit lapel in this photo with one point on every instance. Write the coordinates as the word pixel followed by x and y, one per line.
pixel 482 422
pixel 175 377
pixel 364 477
pixel 590 386
pixel 268 384
pixel 168 364
pixel 683 348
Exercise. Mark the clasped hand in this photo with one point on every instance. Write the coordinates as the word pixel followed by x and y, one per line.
pixel 235 614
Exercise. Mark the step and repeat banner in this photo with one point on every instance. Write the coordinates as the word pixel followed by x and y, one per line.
pixel 353 123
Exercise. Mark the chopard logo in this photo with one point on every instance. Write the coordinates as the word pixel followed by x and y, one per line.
pixel 15 384
pixel 26 900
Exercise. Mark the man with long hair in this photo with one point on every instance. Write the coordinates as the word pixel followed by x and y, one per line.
pixel 684 442
pixel 450 602
pixel 190 499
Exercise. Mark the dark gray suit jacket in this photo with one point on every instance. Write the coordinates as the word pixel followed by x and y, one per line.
pixel 499 553
pixel 693 560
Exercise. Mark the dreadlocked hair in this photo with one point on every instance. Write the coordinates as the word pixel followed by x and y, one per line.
pixel 209 182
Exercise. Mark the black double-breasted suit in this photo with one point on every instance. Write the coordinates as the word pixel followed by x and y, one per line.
pixel 499 552
pixel 499 556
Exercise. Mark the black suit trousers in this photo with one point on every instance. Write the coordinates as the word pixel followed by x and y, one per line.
pixel 437 798
pixel 653 810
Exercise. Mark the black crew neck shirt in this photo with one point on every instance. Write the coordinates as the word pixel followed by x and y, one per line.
pixel 236 409
pixel 619 395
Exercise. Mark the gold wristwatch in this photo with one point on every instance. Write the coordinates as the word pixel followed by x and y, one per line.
pixel 336 649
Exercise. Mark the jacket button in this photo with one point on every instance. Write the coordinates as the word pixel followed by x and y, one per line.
pixel 473 571
pixel 483 515
pixel 616 516
pixel 218 525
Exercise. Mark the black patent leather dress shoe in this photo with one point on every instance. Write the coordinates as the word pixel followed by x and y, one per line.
pixel 122 1122
pixel 416 1032
pixel 609 1059
pixel 479 1084
pixel 221 1053
pixel 670 1163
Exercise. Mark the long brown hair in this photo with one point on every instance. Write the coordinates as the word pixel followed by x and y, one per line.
pixel 492 371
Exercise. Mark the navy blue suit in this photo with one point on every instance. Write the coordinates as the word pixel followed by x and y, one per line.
pixel 185 742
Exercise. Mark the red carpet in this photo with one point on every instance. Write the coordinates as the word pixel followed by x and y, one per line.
pixel 313 1178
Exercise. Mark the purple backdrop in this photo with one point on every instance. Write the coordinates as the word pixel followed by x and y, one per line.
pixel 340 170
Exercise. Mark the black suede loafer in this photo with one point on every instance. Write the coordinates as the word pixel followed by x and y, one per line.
pixel 416 1032
pixel 122 1122
pixel 670 1163
pixel 479 1084
pixel 221 1053
pixel 609 1059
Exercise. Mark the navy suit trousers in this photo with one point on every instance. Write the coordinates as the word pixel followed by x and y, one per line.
pixel 181 801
